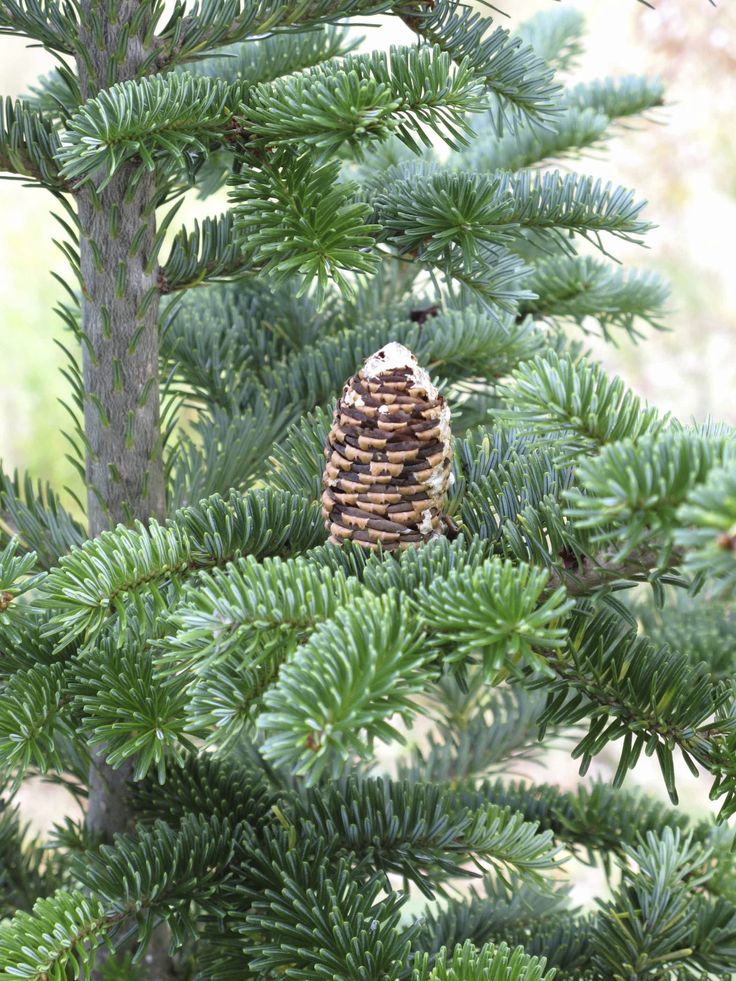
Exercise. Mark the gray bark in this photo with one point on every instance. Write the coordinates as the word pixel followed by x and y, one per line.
pixel 108 813
pixel 124 468
pixel 125 475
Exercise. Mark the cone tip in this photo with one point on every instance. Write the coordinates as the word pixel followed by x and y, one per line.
pixel 392 355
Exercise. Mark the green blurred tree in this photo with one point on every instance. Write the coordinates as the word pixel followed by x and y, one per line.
pixel 200 668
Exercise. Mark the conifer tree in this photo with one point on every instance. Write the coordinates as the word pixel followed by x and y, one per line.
pixel 211 677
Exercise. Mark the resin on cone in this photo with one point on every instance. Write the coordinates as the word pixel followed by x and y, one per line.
pixel 388 455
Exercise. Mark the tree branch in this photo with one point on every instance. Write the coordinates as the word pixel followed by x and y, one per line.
pixel 589 575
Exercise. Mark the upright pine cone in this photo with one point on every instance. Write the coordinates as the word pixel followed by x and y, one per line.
pixel 388 455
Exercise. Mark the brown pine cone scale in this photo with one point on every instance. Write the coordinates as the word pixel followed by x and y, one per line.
pixel 388 456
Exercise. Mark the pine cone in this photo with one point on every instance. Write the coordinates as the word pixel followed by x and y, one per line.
pixel 388 455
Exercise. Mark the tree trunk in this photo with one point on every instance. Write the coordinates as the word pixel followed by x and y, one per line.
pixel 125 478
pixel 124 466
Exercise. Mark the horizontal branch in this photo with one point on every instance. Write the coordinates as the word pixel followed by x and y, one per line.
pixel 209 251
pixel 603 570
pixel 206 26
pixel 52 23
pixel 28 144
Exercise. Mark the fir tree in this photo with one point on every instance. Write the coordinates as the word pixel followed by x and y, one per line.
pixel 195 661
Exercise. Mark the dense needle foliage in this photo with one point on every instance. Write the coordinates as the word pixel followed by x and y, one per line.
pixel 241 673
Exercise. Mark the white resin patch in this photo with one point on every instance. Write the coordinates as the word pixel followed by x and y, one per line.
pixel 425 526
pixel 445 432
pixel 351 397
pixel 395 355
pixel 436 482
